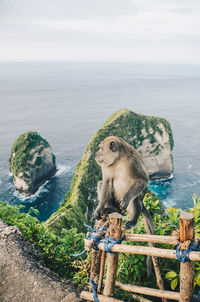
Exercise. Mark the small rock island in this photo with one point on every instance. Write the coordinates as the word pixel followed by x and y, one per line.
pixel 31 162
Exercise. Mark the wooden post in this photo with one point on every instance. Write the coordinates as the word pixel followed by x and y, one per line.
pixel 159 279
pixel 101 273
pixel 96 257
pixel 187 268
pixel 115 232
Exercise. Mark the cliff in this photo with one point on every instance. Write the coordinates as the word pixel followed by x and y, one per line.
pixel 24 277
pixel 31 162
pixel 151 136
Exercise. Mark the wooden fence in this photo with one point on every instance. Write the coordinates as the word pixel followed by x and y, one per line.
pixel 115 232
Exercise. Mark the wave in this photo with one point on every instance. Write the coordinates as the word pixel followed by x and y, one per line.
pixel 163 179
pixel 30 198
pixel 61 169
pixel 10 174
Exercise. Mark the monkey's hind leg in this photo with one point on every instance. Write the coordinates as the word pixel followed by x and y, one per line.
pixel 134 210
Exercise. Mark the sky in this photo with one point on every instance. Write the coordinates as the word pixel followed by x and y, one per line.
pixel 162 31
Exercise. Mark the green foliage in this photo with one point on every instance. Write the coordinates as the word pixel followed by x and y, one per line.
pixel 21 157
pixel 173 276
pixel 55 250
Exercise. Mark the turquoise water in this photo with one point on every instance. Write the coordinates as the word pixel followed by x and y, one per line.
pixel 67 102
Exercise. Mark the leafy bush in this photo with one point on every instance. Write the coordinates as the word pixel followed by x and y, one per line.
pixel 55 250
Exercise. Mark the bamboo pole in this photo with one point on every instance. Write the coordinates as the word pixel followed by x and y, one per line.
pixel 148 291
pixel 101 273
pixel 144 250
pixel 96 257
pixel 89 297
pixel 187 268
pixel 159 279
pixel 115 232
pixel 140 299
pixel 151 238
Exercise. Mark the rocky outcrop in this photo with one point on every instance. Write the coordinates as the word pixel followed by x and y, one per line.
pixel 23 276
pixel 31 162
pixel 151 136
pixel 156 150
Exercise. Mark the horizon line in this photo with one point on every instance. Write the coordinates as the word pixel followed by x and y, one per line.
pixel 99 61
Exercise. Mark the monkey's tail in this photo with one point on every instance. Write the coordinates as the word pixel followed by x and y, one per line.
pixel 149 227
pixel 148 220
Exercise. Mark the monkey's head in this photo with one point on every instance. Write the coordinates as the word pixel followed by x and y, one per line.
pixel 109 151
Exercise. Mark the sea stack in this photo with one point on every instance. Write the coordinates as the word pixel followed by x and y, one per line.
pixel 151 136
pixel 31 162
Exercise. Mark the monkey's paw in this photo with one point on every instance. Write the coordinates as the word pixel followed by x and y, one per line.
pixel 97 214
pixel 129 224
pixel 123 204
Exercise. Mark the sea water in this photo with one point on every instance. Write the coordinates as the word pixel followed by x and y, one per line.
pixel 68 102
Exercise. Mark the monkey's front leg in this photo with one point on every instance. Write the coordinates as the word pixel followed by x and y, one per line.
pixel 132 193
pixel 104 190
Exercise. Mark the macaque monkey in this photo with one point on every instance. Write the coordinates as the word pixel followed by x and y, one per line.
pixel 124 180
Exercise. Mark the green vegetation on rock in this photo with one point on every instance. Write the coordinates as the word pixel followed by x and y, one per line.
pixel 20 154
pixel 31 161
pixel 54 250
pixel 81 199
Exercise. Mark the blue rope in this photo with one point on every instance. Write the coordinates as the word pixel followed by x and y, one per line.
pixel 78 254
pixel 183 255
pixel 196 298
pixel 94 290
pixel 95 238
pixel 109 242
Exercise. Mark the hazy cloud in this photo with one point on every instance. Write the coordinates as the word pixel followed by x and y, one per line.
pixel 144 30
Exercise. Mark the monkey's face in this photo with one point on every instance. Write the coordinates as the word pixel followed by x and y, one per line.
pixel 109 152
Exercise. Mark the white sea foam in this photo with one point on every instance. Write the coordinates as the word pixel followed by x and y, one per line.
pixel 10 174
pixel 62 170
pixel 164 179
pixel 31 198
pixel 169 202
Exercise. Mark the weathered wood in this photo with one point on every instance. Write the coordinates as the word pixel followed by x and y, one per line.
pixel 140 298
pixel 89 297
pixel 96 257
pixel 186 226
pixel 151 238
pixel 144 250
pixel 95 265
pixel 115 232
pixel 159 279
pixel 101 273
pixel 148 291
pixel 186 269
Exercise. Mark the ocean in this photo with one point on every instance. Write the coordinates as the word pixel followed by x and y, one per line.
pixel 68 102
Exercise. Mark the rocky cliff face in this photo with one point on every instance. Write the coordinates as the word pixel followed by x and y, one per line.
pixel 23 276
pixel 31 162
pixel 156 150
pixel 151 136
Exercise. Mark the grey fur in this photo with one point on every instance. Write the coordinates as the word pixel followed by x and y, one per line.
pixel 123 185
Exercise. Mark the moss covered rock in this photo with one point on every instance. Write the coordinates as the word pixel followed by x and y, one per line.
pixel 136 129
pixel 31 162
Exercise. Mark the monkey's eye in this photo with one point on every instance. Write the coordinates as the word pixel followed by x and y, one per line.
pixel 112 146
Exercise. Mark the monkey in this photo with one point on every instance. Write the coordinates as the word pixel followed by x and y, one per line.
pixel 124 180
pixel 123 186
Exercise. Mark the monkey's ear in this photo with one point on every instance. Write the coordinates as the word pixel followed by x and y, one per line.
pixel 113 146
